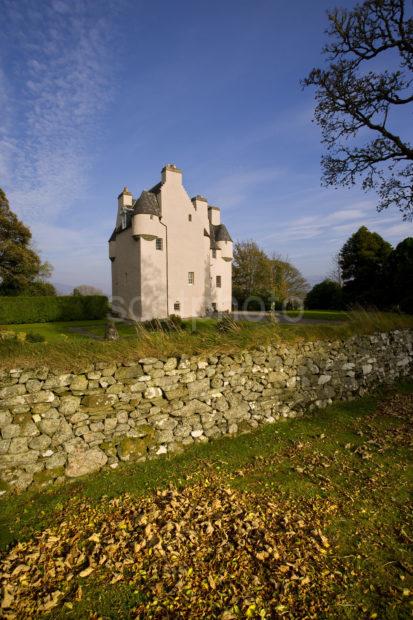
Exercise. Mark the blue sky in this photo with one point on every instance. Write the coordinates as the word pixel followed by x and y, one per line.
pixel 98 94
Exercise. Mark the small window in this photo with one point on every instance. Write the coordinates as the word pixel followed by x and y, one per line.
pixel 218 281
pixel 151 217
pixel 190 217
pixel 191 277
pixel 159 243
pixel 177 305
pixel 214 253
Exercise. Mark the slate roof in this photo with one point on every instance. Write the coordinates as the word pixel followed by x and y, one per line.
pixel 147 204
pixel 221 233
pixel 156 188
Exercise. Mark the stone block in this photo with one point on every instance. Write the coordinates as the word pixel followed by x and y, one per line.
pixel 18 445
pixel 85 462
pixel 49 427
pixel 128 372
pixel 79 383
pixel 132 448
pixel 41 443
pixel 69 405
pixel 10 431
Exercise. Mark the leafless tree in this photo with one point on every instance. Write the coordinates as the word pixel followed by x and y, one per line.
pixel 353 96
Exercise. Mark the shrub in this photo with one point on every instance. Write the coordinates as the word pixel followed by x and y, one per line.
pixel 227 324
pixel 48 309
pixel 34 337
pixel 172 323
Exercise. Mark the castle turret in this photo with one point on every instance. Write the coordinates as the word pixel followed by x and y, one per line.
pixel 224 242
pixel 146 214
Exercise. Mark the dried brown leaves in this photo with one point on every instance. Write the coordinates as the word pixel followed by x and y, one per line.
pixel 205 551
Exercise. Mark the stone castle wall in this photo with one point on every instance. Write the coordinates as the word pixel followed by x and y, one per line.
pixel 55 425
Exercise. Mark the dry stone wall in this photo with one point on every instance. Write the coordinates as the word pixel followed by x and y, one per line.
pixel 57 425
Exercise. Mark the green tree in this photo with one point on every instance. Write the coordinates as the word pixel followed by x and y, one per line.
pixel 21 270
pixel 272 280
pixel 363 260
pixel 288 283
pixel 327 295
pixel 400 275
pixel 86 289
pixel 252 273
pixel 368 78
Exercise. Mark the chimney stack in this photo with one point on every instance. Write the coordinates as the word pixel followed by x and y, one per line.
pixel 170 173
pixel 125 198
pixel 214 214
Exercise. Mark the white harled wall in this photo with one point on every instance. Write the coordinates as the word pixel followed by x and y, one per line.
pixel 158 279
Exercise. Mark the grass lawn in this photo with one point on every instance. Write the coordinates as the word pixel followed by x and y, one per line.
pixel 303 518
pixel 70 345
pixel 320 315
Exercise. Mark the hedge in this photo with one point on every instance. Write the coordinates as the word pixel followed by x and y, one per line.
pixel 48 309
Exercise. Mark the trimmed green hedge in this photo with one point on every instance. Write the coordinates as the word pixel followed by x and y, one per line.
pixel 49 309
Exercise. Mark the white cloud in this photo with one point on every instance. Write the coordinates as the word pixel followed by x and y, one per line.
pixel 54 108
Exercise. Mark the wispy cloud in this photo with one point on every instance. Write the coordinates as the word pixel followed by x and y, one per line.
pixel 234 188
pixel 332 226
pixel 54 106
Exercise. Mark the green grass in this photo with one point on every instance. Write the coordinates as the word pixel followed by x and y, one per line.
pixel 65 350
pixel 320 315
pixel 319 455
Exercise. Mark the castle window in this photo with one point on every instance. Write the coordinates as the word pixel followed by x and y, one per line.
pixel 218 281
pixel 190 218
pixel 214 253
pixel 191 277
pixel 177 305
pixel 159 243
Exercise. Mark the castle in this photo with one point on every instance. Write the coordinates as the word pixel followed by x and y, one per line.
pixel 170 254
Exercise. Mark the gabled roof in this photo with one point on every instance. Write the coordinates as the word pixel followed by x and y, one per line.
pixel 147 204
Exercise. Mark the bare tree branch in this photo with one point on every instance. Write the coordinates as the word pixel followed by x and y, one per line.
pixel 351 97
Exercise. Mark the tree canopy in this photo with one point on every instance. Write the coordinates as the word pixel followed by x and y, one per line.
pixel 327 295
pixel 363 260
pixel 399 276
pixel 86 289
pixel 288 282
pixel 272 280
pixel 357 100
pixel 21 269
pixel 251 275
